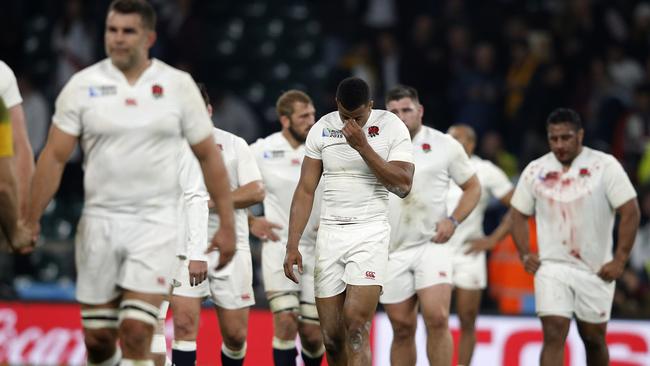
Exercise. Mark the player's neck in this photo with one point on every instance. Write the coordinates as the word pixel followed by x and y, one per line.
pixel 133 74
pixel 567 165
pixel 292 140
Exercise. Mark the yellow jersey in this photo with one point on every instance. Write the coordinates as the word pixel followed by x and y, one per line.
pixel 6 139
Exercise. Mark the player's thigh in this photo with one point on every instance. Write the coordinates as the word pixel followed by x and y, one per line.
pixel 433 265
pixel 400 280
pixel 553 293
pixel 150 258
pixel 330 313
pixel 98 261
pixel 329 269
pixel 273 275
pixel 181 285
pixel 594 297
pixel 187 312
pixel 468 303
pixel 361 302
pixel 469 271
pixel 403 316
pixel 366 254
pixel 233 323
pixel 232 286
pixel 434 303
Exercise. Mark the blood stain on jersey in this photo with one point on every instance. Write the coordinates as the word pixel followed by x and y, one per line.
pixel 442 274
pixel 161 281
pixel 220 147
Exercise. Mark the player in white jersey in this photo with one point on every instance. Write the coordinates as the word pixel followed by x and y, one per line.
pixel 574 192
pixel 230 288
pixel 362 154
pixel 419 263
pixel 130 114
pixel 23 157
pixel 469 242
pixel 279 157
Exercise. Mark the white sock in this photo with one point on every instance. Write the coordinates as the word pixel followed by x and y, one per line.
pixel 235 355
pixel 126 362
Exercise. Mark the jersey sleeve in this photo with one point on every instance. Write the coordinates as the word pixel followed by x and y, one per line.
pixel 401 147
pixel 523 199
pixel 196 123
pixel 247 169
pixel 497 182
pixel 9 86
pixel 460 167
pixel 314 142
pixel 67 108
pixel 618 187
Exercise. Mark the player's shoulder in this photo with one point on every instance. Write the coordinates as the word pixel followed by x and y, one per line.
pixel 5 70
pixel 273 140
pixel 597 155
pixel 328 119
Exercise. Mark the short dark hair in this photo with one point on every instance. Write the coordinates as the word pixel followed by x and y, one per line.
pixel 402 91
pixel 140 7
pixel 284 105
pixel 352 93
pixel 204 93
pixel 564 115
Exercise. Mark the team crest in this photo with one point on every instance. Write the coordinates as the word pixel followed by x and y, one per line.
pixel 426 148
pixel 157 91
pixel 373 131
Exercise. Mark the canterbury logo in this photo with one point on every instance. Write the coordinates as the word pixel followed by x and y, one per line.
pixel 370 275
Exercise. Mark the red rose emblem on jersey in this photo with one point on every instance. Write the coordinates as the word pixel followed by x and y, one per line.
pixel 584 172
pixel 373 131
pixel 426 147
pixel 157 91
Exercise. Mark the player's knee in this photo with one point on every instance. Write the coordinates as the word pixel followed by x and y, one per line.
pixel 185 326
pixel 311 339
pixel 357 335
pixel 235 338
pixel 135 334
pixel 403 329
pixel 286 324
pixel 554 334
pixel 437 320
pixel 333 343
pixel 593 340
pixel 467 320
pixel 100 344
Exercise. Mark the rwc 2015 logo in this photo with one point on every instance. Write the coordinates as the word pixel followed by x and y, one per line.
pixel 330 132
pixel 373 131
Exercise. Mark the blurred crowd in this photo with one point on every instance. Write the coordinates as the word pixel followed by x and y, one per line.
pixel 498 65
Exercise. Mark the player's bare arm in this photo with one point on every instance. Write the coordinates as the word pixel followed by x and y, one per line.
pixel 520 235
pixel 471 194
pixel 262 228
pixel 248 194
pixel 8 202
pixel 303 200
pixel 216 180
pixel 24 157
pixel 627 227
pixel 47 175
pixel 396 176
pixel 500 232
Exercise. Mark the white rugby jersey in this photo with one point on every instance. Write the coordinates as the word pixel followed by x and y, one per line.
pixel 280 165
pixel 8 86
pixel 242 169
pixel 131 136
pixel 494 183
pixel 439 158
pixel 351 191
pixel 574 210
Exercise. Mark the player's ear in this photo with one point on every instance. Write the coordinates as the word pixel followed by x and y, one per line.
pixel 284 121
pixel 371 103
pixel 151 38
